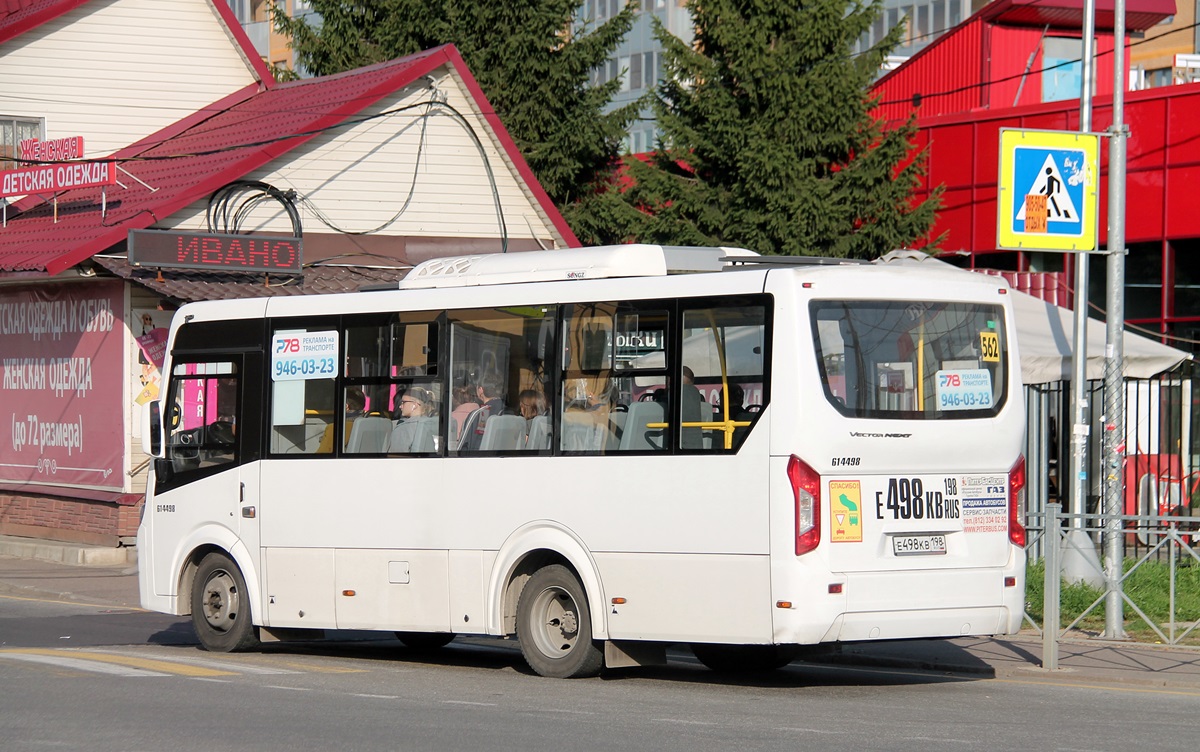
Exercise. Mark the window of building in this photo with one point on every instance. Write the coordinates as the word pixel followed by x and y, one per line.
pixel 1143 281
pixel 13 131
pixel 1186 288
pixel 1062 69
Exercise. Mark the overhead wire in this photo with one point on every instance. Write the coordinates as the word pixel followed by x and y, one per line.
pixel 434 104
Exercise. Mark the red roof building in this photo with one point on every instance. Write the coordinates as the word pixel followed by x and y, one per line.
pixel 995 71
pixel 374 170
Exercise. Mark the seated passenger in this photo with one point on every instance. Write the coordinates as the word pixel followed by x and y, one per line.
pixel 533 404
pixel 417 428
pixel 465 403
pixel 691 402
pixel 491 393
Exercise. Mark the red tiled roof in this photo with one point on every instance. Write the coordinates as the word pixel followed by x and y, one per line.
pixel 218 145
pixel 19 16
pixel 184 285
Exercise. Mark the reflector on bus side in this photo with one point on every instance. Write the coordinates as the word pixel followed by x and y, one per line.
pixel 806 485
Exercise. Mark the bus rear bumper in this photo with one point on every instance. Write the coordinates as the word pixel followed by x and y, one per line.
pixel 901 625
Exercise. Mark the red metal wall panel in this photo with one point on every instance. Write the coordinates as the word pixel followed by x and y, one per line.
pixel 1162 178
pixel 1181 186
pixel 946 75
pixel 1144 206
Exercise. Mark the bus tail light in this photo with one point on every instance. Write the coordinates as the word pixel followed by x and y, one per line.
pixel 806 485
pixel 1016 502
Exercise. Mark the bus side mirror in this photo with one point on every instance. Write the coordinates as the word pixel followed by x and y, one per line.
pixel 152 429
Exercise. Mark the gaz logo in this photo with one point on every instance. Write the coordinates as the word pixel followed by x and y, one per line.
pixel 845 511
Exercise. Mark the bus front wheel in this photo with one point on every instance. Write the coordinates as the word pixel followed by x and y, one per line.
pixel 221 606
pixel 554 625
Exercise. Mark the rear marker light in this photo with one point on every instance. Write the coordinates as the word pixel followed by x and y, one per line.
pixel 835 588
pixel 1010 582
pixel 806 487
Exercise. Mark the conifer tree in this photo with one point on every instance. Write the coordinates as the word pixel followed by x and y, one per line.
pixel 533 68
pixel 768 140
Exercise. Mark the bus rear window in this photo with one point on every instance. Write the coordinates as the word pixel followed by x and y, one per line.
pixel 914 360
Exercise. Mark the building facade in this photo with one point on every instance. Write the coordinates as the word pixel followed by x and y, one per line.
pixel 351 179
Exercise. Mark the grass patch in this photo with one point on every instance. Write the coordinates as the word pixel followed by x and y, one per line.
pixel 1148 587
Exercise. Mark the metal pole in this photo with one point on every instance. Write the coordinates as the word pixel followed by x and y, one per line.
pixel 1114 386
pixel 1050 591
pixel 1079 390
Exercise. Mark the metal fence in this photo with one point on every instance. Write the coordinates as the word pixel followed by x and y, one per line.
pixel 1070 547
pixel 1159 516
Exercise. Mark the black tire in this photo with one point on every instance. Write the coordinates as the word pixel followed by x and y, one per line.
pixel 425 640
pixel 221 606
pixel 554 626
pixel 744 659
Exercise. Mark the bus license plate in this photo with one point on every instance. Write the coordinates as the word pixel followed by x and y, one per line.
pixel 918 545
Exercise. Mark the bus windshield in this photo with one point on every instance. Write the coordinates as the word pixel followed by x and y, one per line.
pixel 911 360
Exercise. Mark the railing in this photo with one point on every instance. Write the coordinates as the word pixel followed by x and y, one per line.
pixel 1169 540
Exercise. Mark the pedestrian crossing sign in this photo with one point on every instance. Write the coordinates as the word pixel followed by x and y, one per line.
pixel 1047 192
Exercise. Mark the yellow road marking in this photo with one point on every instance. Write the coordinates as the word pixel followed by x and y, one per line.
pixel 322 669
pixel 147 664
pixel 1116 687
pixel 72 603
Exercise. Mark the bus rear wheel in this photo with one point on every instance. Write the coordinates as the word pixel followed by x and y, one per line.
pixel 425 640
pixel 554 626
pixel 221 606
pixel 744 659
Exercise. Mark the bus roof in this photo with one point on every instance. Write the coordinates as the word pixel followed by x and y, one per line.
pixel 634 260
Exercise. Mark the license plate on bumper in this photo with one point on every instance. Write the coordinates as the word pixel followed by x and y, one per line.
pixel 918 545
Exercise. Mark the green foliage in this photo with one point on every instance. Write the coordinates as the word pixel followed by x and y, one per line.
pixel 535 73
pixel 768 141
pixel 1149 587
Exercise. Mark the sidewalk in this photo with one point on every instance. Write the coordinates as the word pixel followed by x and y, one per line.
pixel 94 575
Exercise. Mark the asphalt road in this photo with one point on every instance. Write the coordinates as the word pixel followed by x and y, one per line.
pixel 93 677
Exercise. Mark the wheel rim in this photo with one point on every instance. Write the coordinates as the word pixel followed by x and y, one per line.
pixel 221 601
pixel 555 622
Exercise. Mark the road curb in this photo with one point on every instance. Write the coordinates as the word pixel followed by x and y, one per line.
pixel 68 553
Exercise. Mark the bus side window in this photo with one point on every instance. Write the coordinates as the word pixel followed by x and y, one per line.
pixel 724 353
pixel 614 388
pixel 302 410
pixel 502 366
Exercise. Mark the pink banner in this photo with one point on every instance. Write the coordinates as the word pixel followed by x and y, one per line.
pixel 154 346
pixel 61 350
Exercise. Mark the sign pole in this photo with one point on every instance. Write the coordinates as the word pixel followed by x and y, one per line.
pixel 1114 386
pixel 1079 384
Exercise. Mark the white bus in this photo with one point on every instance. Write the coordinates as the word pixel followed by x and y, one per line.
pixel 597 455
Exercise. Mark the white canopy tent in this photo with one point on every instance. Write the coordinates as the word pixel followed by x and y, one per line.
pixel 1046 334
pixel 1045 337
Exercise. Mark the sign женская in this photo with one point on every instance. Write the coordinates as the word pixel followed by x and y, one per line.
pixel 51 178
